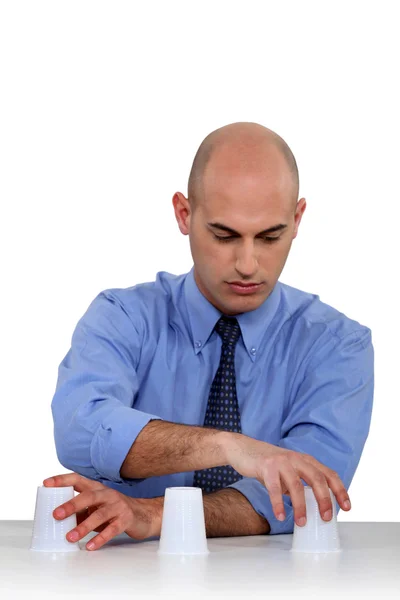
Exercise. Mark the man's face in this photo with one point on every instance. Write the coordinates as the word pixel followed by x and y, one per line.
pixel 246 205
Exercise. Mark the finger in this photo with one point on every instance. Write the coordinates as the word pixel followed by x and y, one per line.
pixel 79 482
pixel 84 500
pixel 109 511
pixel 106 509
pixel 338 489
pixel 102 516
pixel 112 530
pixel 296 491
pixel 90 511
pixel 334 482
pixel 81 515
pixel 273 484
pixel 317 481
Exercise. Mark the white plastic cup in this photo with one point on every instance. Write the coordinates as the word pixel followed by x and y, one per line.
pixel 317 535
pixel 49 534
pixel 183 529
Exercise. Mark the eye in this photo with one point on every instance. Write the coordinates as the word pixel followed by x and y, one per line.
pixel 271 239
pixel 228 238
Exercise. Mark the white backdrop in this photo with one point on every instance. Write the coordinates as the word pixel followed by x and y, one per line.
pixel 103 106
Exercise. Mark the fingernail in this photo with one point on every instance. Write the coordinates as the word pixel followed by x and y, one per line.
pixel 301 521
pixel 90 546
pixel 328 515
pixel 50 481
pixel 60 512
pixel 281 517
pixel 74 536
pixel 347 504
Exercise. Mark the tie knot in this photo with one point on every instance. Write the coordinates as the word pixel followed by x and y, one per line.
pixel 229 330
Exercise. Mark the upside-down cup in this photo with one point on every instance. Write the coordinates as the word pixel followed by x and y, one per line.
pixel 49 534
pixel 183 529
pixel 317 535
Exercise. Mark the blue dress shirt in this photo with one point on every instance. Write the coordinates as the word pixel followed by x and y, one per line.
pixel 304 379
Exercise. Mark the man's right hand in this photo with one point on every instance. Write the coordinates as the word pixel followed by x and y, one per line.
pixel 281 471
pixel 106 511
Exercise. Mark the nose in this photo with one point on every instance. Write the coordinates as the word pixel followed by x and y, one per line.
pixel 246 260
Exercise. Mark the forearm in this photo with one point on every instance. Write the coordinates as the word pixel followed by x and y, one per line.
pixel 227 513
pixel 162 448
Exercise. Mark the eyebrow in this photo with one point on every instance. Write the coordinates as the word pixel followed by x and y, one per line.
pixel 229 230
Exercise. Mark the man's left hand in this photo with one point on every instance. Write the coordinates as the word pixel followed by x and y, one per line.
pixel 106 511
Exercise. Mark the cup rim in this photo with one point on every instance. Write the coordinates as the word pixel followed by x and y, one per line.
pixel 187 488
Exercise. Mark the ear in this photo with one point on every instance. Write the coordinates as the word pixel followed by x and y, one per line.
pixel 301 207
pixel 182 212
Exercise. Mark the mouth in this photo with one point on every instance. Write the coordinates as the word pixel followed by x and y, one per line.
pixel 244 288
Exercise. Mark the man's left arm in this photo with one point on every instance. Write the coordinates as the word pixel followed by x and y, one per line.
pixel 329 418
pixel 227 513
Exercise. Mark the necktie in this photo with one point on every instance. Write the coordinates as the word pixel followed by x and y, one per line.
pixel 222 408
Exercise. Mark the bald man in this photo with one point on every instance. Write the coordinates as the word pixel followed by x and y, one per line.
pixel 223 378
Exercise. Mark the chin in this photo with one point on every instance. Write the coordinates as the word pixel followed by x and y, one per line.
pixel 244 304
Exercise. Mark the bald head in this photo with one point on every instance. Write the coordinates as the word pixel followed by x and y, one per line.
pixel 247 142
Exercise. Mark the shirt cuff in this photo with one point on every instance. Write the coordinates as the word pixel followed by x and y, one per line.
pixel 258 496
pixel 113 440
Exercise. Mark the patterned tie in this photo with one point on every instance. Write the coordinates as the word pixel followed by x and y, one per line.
pixel 222 408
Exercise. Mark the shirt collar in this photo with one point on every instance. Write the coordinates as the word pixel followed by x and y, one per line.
pixel 203 316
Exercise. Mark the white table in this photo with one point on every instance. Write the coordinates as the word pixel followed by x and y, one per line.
pixel 243 567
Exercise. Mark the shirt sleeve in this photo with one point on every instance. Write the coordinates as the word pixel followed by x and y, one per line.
pixel 95 423
pixel 328 419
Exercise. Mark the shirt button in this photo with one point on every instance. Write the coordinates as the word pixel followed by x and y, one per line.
pixel 253 351
pixel 198 344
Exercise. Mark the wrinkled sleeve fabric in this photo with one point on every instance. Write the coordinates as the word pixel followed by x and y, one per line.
pixel 95 423
pixel 328 419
